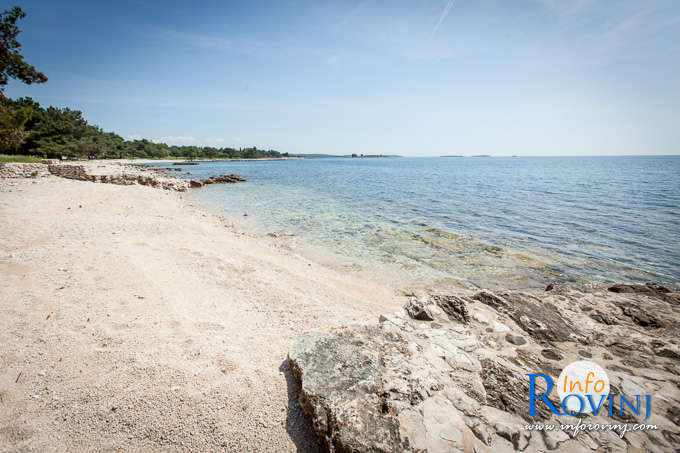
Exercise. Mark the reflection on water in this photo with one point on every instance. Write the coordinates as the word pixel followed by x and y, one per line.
pixel 518 222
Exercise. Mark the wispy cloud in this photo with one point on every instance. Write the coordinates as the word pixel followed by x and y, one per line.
pixel 180 140
pixel 443 15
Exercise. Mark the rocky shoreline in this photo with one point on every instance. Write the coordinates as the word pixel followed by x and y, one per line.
pixel 447 372
pixel 119 173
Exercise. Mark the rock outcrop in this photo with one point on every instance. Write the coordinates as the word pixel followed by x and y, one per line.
pixel 648 289
pixel 118 174
pixel 448 373
pixel 220 179
pixel 111 173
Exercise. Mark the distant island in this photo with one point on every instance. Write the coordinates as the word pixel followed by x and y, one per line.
pixel 361 156
pixel 453 155
pixel 328 156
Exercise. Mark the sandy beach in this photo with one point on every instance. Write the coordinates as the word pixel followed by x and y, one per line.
pixel 132 320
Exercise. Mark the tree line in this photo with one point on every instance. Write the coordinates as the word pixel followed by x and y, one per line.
pixel 55 132
pixel 27 128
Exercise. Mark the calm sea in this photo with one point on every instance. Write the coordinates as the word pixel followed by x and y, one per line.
pixel 510 222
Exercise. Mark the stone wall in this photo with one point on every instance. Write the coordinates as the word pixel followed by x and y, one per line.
pixel 23 170
pixel 110 173
pixel 71 171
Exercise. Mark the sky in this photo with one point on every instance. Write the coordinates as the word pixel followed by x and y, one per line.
pixel 415 78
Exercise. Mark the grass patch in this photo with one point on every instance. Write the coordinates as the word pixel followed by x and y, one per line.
pixel 18 158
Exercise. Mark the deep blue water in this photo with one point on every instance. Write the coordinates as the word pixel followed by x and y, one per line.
pixel 527 220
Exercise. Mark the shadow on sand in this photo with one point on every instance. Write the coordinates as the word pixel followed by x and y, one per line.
pixel 298 424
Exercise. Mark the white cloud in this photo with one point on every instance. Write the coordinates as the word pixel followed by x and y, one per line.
pixel 184 140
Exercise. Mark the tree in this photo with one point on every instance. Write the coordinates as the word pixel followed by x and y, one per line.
pixel 12 64
pixel 12 121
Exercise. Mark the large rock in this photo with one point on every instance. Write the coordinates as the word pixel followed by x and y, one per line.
pixel 343 385
pixel 219 179
pixel 448 373
pixel 649 289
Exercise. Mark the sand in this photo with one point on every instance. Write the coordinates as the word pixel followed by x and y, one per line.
pixel 132 320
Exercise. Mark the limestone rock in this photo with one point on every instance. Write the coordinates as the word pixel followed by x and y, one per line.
pixel 515 339
pixel 541 321
pixel 428 378
pixel 649 289
pixel 417 309
pixel 455 307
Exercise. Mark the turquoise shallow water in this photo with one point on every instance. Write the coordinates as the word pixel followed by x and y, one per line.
pixel 519 222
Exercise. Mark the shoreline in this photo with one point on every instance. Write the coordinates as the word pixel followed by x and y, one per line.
pixel 137 321
pixel 364 268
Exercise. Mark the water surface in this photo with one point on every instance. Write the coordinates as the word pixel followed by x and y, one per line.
pixel 513 222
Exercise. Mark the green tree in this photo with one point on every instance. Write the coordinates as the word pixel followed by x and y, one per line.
pixel 12 121
pixel 12 64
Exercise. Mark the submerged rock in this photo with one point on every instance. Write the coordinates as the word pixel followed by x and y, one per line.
pixel 220 179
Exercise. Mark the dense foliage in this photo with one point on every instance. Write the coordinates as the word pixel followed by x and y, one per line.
pixel 54 132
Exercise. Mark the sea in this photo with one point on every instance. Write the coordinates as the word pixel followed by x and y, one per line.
pixel 495 222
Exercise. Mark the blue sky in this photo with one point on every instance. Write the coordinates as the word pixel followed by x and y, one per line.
pixel 534 77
